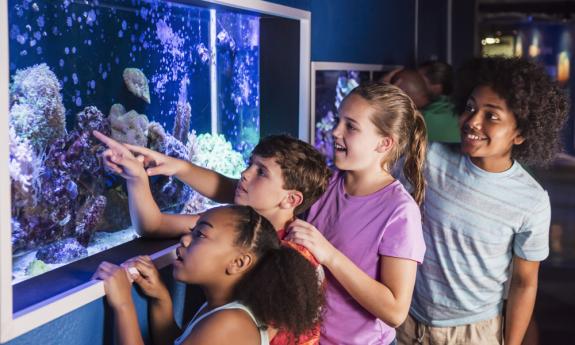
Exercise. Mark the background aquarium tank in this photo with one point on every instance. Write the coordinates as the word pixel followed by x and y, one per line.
pixel 175 78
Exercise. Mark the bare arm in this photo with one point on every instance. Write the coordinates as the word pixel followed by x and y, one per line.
pixel 388 299
pixel 163 327
pixel 521 300
pixel 127 330
pixel 119 297
pixel 146 215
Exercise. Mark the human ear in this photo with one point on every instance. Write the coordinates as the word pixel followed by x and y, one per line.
pixel 384 145
pixel 519 139
pixel 292 200
pixel 239 264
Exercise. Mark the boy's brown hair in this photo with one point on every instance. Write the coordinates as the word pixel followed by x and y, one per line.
pixel 303 167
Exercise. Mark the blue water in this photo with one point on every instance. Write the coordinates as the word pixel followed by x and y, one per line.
pixel 88 44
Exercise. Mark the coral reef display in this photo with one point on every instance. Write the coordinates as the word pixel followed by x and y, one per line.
pixel 36 109
pixel 62 251
pixel 65 199
pixel 65 204
pixel 36 267
pixel 128 127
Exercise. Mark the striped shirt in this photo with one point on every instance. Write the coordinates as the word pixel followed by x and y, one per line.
pixel 474 221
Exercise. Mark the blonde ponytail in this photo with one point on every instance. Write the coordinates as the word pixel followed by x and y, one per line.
pixel 415 158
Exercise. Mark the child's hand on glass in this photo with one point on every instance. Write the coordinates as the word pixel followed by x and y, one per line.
pixel 144 273
pixel 116 284
pixel 305 234
pixel 119 159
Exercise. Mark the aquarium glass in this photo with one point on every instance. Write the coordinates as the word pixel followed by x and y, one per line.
pixel 143 72
pixel 238 74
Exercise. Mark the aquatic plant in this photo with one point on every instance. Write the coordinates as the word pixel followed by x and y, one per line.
pixel 36 109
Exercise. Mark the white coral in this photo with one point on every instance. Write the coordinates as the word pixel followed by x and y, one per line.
pixel 216 153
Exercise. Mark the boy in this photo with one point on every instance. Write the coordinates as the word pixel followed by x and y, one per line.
pixel 285 177
pixel 486 219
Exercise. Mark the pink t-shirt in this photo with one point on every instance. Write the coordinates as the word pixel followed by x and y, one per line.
pixel 363 228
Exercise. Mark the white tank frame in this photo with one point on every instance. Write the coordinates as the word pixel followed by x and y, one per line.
pixel 13 325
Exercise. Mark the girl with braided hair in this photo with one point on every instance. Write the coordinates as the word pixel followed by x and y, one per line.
pixel 254 286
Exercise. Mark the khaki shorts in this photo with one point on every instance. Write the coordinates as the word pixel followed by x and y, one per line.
pixel 488 332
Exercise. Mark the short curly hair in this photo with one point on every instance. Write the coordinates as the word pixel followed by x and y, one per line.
pixel 539 105
pixel 303 167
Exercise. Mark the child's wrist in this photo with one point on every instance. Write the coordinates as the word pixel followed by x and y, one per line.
pixel 162 297
pixel 124 306
pixel 181 167
pixel 332 259
pixel 140 178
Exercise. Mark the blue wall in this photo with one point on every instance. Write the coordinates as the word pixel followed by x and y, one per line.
pixel 377 32
pixel 362 31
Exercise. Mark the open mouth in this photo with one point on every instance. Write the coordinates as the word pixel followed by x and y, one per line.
pixel 469 135
pixel 339 148
pixel 474 137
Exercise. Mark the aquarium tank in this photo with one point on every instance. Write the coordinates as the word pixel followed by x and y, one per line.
pixel 176 78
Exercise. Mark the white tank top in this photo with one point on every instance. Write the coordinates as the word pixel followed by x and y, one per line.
pixel 264 340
